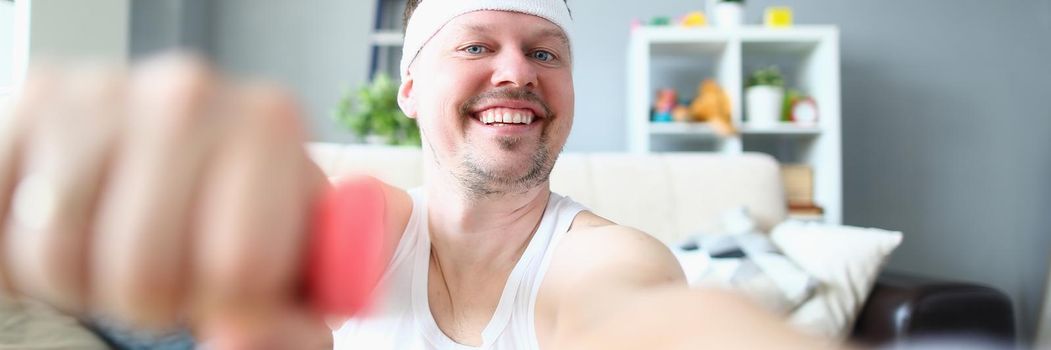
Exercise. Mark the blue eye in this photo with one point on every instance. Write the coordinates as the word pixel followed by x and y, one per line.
pixel 543 56
pixel 474 49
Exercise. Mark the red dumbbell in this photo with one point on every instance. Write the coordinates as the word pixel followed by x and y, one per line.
pixel 345 261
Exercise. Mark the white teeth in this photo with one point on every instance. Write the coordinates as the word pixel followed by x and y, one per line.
pixel 505 116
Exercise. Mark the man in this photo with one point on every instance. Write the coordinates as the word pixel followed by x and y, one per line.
pixel 170 196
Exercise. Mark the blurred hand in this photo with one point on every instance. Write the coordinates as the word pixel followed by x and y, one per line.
pixel 157 196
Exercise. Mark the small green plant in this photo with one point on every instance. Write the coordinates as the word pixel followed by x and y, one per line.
pixel 373 110
pixel 770 76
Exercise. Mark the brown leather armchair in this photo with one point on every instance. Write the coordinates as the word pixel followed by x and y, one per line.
pixel 904 309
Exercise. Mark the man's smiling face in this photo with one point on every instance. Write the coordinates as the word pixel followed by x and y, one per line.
pixel 493 94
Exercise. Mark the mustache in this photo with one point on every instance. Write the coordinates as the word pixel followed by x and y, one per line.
pixel 505 93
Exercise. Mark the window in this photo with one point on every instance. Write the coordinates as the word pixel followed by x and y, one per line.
pixel 387 38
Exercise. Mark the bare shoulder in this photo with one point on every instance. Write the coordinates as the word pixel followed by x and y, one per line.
pixel 599 250
pixel 596 268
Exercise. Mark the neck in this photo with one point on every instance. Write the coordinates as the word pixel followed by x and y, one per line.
pixel 469 232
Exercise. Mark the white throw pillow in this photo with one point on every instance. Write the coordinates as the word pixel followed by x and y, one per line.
pixel 845 259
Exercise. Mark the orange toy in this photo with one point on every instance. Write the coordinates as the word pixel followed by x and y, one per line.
pixel 712 105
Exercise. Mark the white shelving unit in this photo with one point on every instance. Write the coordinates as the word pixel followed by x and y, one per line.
pixel 680 58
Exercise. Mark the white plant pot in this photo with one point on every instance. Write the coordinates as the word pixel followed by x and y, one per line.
pixel 728 15
pixel 763 105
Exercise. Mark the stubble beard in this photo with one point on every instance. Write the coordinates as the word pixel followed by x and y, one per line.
pixel 481 181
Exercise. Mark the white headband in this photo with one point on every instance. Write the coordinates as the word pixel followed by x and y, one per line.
pixel 431 15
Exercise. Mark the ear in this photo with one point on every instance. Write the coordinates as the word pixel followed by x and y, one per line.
pixel 407 98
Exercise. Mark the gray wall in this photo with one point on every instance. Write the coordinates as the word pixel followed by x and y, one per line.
pixel 946 121
pixel 317 49
pixel 59 29
pixel 955 148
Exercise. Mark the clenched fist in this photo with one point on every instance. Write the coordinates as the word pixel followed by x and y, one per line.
pixel 159 195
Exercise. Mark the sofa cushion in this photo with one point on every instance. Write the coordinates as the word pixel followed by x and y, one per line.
pixel 398 166
pixel 670 195
pixel 846 260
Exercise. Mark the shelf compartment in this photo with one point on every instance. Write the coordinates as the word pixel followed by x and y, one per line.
pixel 680 57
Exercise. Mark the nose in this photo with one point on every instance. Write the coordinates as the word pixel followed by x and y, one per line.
pixel 513 68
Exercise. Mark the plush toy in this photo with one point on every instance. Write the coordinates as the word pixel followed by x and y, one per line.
pixel 666 102
pixel 712 105
pixel 681 114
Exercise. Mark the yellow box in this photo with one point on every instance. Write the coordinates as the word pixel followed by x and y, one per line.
pixel 778 16
pixel 694 19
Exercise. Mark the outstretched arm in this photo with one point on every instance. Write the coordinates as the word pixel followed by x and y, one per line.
pixel 618 288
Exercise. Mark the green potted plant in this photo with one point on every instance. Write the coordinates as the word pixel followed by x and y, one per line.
pixel 728 13
pixel 373 115
pixel 764 96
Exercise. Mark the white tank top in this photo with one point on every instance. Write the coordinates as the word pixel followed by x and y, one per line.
pixel 401 317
